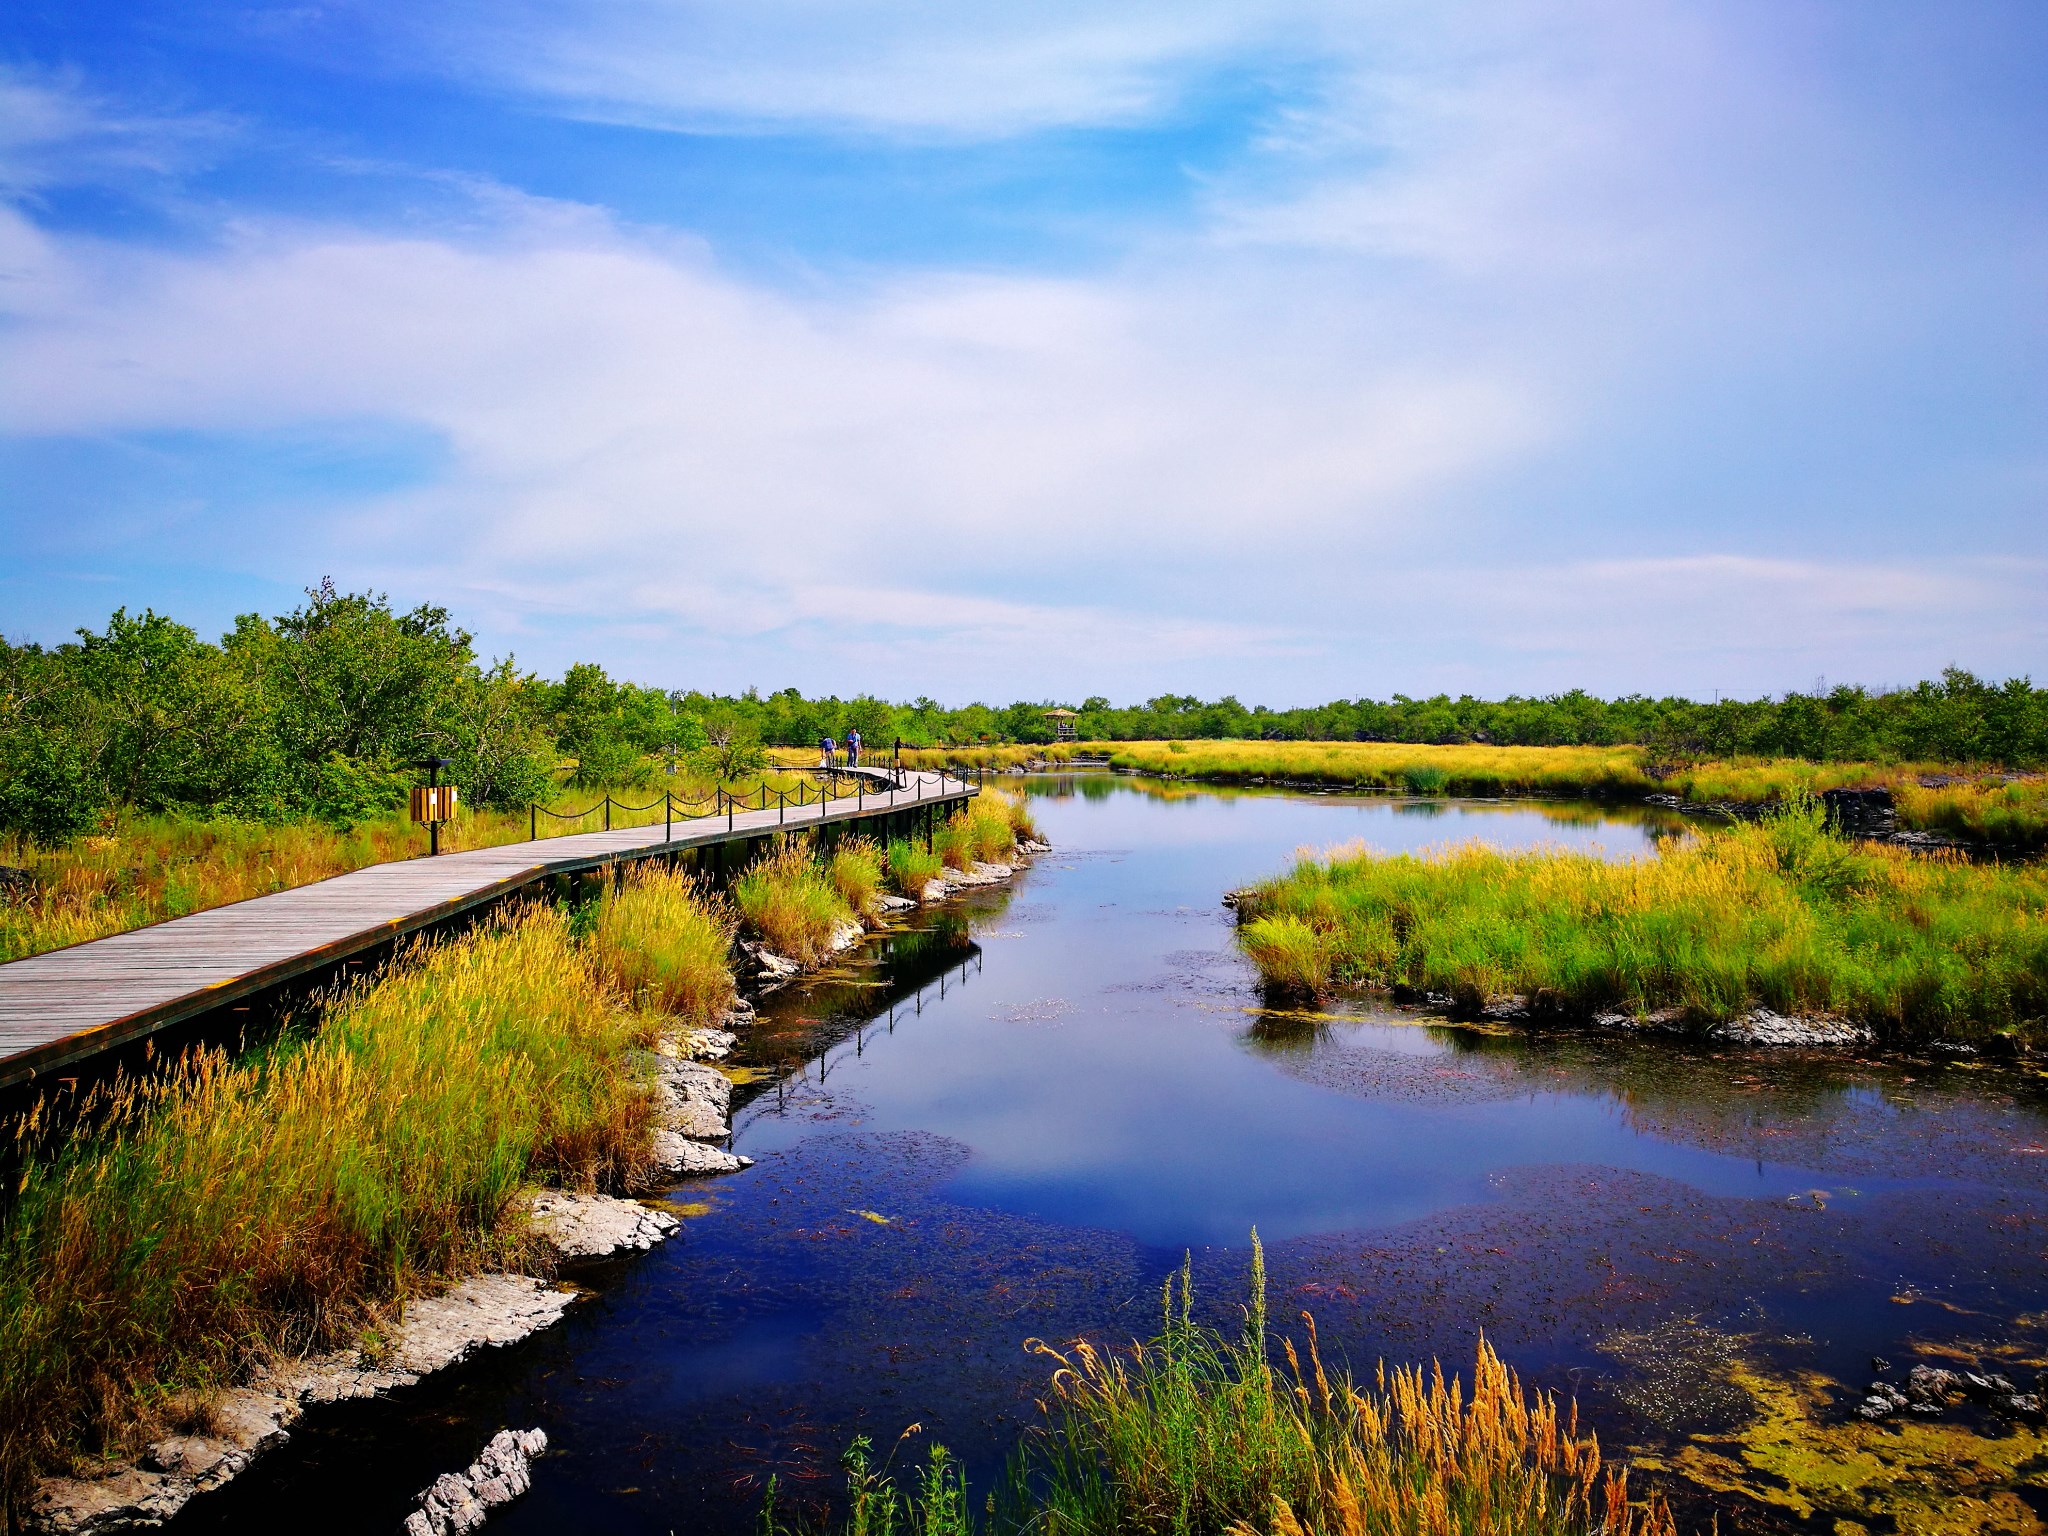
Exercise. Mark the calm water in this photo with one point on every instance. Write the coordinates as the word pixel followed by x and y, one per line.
pixel 1049 1094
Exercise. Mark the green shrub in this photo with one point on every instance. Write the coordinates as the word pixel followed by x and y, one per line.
pixel 46 795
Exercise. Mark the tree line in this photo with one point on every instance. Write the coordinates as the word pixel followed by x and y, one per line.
pixel 327 710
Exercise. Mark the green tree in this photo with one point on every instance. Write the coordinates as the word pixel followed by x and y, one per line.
pixel 732 749
pixel 348 674
pixel 46 793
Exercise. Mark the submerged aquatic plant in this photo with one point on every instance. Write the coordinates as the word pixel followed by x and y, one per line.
pixel 1198 1433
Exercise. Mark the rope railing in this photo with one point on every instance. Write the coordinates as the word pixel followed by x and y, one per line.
pixel 727 803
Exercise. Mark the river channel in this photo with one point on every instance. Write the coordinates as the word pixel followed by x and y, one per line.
pixel 1013 1117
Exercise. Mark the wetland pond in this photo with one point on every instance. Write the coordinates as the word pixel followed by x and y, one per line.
pixel 1013 1117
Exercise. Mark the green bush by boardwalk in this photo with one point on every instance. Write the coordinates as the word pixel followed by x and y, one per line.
pixel 1781 914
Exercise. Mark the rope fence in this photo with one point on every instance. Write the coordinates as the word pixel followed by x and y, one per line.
pixel 728 803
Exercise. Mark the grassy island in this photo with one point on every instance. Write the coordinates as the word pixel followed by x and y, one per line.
pixel 1780 914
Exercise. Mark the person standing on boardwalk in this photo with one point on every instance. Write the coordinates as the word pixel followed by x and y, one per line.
pixel 853 749
pixel 825 745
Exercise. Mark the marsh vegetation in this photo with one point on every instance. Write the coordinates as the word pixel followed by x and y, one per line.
pixel 1781 914
pixel 236 1208
pixel 1197 1432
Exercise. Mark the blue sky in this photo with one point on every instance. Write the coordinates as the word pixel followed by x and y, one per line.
pixel 1277 347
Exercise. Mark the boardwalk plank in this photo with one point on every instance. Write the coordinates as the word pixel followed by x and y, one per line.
pixel 66 1005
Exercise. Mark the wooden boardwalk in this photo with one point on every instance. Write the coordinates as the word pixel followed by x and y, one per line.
pixel 70 1004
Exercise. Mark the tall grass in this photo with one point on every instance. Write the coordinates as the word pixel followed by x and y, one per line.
pixel 855 869
pixel 791 903
pixel 1780 913
pixel 1017 812
pixel 1467 770
pixel 1002 755
pixel 666 944
pixel 1197 1433
pixel 233 1210
pixel 912 867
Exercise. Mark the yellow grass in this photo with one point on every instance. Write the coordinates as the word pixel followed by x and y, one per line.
pixel 667 945
pixel 233 1210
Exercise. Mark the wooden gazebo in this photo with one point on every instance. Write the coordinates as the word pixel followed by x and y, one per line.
pixel 1062 723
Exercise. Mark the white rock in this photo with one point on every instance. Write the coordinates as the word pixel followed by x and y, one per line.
pixel 591 1226
pixel 706 1044
pixel 462 1501
pixel 437 1331
pixel 698 1100
pixel 1763 1027
pixel 675 1154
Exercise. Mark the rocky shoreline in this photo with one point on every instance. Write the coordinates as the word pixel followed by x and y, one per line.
pixel 483 1311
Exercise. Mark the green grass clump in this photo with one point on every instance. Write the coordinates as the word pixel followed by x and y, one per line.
pixel 1291 954
pixel 912 867
pixel 1017 811
pixel 791 903
pixel 1199 1433
pixel 953 842
pixel 234 1209
pixel 1781 914
pixel 667 945
pixel 855 868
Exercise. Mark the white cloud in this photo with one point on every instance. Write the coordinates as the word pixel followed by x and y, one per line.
pixel 884 66
pixel 632 428
pixel 1371 424
pixel 55 131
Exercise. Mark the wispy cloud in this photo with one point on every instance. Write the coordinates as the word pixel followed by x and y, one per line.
pixel 57 131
